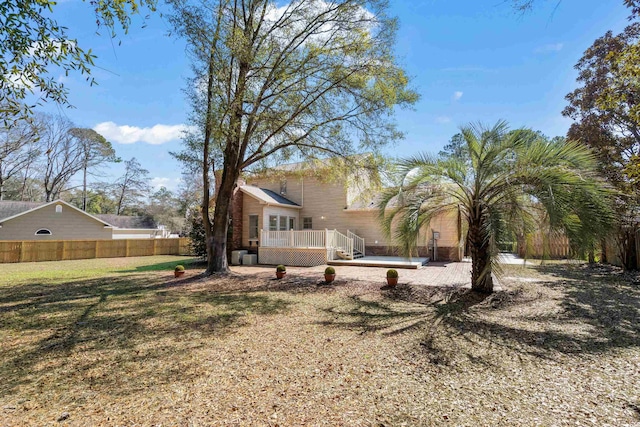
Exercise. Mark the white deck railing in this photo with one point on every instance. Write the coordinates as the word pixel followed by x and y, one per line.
pixel 337 240
pixel 358 242
pixel 332 240
pixel 293 239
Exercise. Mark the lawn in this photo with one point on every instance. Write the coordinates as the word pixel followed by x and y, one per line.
pixel 121 342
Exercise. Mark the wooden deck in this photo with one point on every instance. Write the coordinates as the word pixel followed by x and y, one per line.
pixel 383 261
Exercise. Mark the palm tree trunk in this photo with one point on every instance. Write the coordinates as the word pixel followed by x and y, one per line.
pixel 481 278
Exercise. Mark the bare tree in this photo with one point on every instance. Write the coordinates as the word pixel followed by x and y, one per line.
pixel 67 150
pixel 132 186
pixel 62 158
pixel 308 79
pixel 17 149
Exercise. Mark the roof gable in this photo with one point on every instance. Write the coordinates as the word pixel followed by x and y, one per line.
pixel 43 205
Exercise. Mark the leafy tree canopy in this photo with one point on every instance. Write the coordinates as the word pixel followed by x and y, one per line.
pixel 503 181
pixel 32 43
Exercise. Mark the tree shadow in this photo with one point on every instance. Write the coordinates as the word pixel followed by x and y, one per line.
pixel 187 263
pixel 57 324
pixel 598 311
pixel 602 296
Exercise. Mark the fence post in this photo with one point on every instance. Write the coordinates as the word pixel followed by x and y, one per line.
pixel 21 251
pixel 126 248
pixel 64 249
pixel 155 246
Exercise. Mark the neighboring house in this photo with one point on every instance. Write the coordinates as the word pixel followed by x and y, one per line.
pixel 297 218
pixel 59 220
pixel 134 227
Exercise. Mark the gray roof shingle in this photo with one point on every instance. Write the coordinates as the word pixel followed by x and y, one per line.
pixel 10 208
pixel 121 221
pixel 268 196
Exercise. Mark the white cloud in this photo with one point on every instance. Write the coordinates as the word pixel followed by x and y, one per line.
pixel 155 135
pixel 553 47
pixel 293 17
pixel 457 95
pixel 168 183
pixel 443 119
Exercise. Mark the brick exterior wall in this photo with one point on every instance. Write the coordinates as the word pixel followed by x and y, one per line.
pixel 444 254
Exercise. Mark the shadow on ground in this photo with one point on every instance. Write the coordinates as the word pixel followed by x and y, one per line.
pixel 45 324
pixel 187 263
pixel 597 310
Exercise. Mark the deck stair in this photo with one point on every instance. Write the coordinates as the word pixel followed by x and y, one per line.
pixel 358 245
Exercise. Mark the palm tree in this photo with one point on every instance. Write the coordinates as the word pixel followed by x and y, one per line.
pixel 500 182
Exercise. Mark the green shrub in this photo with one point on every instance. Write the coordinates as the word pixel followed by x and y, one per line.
pixel 281 268
pixel 392 274
pixel 197 233
pixel 179 268
pixel 329 270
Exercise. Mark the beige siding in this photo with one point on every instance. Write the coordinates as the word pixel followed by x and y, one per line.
pixel 447 225
pixel 66 225
pixel 325 203
pixel 250 206
pixel 366 225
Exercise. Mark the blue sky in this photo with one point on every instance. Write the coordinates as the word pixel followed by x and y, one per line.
pixel 471 61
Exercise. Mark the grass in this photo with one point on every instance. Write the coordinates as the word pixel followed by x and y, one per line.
pixel 121 342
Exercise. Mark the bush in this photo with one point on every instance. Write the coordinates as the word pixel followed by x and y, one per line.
pixel 196 233
pixel 329 270
pixel 179 268
pixel 392 274
pixel 281 268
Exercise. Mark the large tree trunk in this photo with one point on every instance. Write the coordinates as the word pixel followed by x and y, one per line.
pixel 629 251
pixel 217 238
pixel 481 278
pixel 603 251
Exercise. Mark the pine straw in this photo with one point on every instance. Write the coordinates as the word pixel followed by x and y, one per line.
pixel 559 347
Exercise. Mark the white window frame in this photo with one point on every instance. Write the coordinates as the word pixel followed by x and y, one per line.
pixel 274 227
pixel 48 232
pixel 304 223
pixel 283 223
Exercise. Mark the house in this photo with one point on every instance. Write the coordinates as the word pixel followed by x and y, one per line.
pixel 297 216
pixel 59 220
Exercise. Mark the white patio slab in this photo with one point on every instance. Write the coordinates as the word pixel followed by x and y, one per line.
pixel 383 261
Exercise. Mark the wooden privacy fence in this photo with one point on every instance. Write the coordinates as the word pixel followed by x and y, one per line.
pixel 58 250
pixel 554 246
pixel 613 253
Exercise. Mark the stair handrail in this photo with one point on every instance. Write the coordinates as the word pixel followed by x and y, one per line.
pixel 343 242
pixel 358 242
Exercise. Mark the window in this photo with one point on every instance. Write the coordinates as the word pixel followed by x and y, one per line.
pixel 307 223
pixel 283 223
pixel 253 227
pixel 292 223
pixel 283 186
pixel 58 208
pixel 273 222
pixel 43 232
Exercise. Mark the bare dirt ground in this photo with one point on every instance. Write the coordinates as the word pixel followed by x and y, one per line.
pixel 560 345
